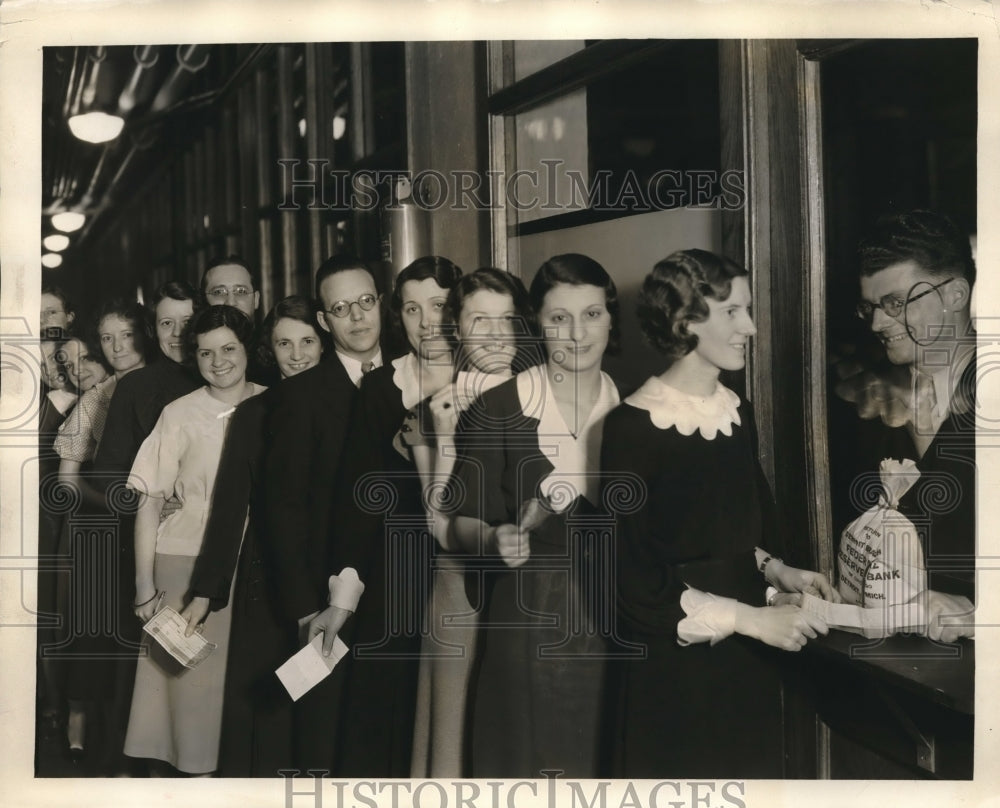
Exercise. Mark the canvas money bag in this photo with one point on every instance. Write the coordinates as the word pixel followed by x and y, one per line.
pixel 881 559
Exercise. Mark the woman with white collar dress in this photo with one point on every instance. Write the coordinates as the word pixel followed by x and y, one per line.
pixel 382 530
pixel 525 479
pixel 698 705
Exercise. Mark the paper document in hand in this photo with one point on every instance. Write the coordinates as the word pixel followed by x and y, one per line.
pixel 874 623
pixel 167 627
pixel 306 669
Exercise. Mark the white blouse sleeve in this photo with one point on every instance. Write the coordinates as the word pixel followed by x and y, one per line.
pixel 157 465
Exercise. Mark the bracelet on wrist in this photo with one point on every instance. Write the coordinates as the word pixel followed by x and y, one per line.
pixel 145 602
pixel 763 565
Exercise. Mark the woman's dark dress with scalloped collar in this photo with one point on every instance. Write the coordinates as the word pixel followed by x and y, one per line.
pixel 697 711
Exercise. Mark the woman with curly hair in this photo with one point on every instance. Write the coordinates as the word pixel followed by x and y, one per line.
pixel 690 571
pixel 120 343
pixel 235 558
pixel 177 713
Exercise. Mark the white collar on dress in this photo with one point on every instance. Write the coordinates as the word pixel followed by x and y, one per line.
pixel 575 460
pixel 406 376
pixel 667 406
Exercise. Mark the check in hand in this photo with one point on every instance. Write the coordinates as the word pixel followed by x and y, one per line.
pixel 328 622
pixel 195 613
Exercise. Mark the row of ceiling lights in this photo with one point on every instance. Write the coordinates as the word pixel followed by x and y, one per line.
pixel 68 222
pixel 94 125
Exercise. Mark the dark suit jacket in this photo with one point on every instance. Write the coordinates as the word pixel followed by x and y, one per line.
pixel 306 433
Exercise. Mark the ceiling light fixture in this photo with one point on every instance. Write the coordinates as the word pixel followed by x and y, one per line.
pixel 68 221
pixel 96 127
pixel 56 242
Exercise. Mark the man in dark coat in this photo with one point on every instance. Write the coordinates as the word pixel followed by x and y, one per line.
pixel 307 433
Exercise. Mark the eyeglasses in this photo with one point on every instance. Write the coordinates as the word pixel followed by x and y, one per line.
pixel 892 305
pixel 342 308
pixel 223 292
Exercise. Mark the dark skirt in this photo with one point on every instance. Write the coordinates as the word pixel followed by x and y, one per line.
pixel 537 686
pixel 700 711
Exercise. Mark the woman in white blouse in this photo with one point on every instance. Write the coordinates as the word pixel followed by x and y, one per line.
pixel 176 713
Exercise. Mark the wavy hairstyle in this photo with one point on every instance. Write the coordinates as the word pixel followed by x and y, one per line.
pixel 578 270
pixel 143 330
pixel 212 317
pixel 294 307
pixel 930 239
pixel 674 294
pixel 94 353
pixel 445 274
pixel 497 280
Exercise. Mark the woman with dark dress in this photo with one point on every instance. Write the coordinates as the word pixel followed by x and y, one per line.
pixel 491 317
pixel 382 516
pixel 124 334
pixel 526 484
pixel 138 400
pixel 257 720
pixel 690 571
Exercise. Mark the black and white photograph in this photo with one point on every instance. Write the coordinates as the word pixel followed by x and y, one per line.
pixel 483 404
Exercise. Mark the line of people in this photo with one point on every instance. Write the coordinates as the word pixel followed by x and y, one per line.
pixel 548 564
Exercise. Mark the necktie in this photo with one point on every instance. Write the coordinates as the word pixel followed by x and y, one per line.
pixel 367 367
pixel 924 402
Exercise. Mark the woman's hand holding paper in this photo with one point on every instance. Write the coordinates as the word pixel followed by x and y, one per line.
pixel 793 579
pixel 784 627
pixel 195 613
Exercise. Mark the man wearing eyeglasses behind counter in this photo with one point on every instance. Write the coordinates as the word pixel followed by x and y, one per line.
pixel 303 467
pixel 917 275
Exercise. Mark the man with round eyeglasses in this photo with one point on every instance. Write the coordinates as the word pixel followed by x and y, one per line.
pixel 351 314
pixel 302 471
pixel 917 276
